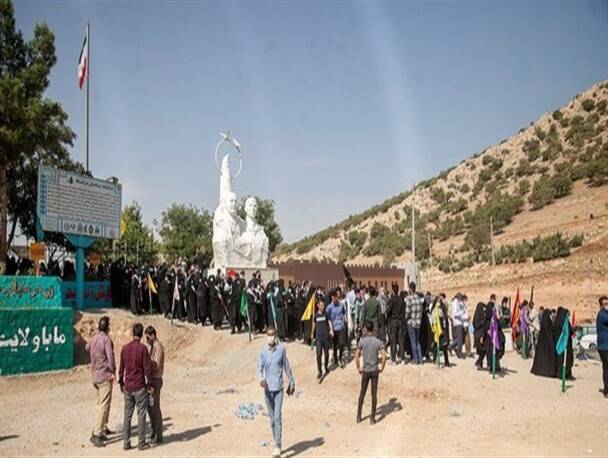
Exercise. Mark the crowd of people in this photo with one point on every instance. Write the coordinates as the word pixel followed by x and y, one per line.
pixel 416 328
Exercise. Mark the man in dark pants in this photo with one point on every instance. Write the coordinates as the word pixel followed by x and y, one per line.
pixel 157 365
pixel 372 349
pixel 135 380
pixel 602 340
pixel 395 312
pixel 322 331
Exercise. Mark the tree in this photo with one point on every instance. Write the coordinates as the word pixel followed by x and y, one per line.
pixel 137 237
pixel 31 127
pixel 187 233
pixel 265 218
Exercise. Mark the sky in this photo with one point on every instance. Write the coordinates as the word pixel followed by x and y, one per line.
pixel 337 105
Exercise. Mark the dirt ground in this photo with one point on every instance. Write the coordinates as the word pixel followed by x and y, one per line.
pixel 423 410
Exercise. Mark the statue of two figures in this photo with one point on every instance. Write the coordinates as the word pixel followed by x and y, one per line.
pixel 236 243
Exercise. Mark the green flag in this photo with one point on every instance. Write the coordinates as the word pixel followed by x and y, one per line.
pixel 562 342
pixel 244 305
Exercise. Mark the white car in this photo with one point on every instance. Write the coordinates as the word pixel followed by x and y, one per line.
pixel 589 342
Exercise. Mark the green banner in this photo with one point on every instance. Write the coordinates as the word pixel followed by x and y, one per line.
pixel 35 340
pixel 30 292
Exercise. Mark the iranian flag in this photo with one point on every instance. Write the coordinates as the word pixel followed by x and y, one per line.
pixel 83 62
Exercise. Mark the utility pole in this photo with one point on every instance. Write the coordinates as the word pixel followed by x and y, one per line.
pixel 492 238
pixel 413 228
pixel 430 249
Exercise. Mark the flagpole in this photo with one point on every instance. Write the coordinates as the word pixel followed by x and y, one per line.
pixel 564 368
pixel 87 109
pixel 437 354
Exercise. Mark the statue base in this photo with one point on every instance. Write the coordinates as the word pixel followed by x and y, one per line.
pixel 268 273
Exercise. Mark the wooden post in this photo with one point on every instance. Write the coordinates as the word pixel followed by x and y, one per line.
pixel 492 240
pixel 430 249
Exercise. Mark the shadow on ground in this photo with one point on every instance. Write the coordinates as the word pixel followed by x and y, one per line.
pixel 303 446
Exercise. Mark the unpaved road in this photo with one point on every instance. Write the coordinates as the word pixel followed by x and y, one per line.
pixel 424 410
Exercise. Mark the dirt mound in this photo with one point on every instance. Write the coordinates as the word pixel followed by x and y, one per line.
pixel 175 338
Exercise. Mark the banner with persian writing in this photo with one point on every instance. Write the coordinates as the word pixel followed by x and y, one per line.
pixel 97 294
pixel 30 292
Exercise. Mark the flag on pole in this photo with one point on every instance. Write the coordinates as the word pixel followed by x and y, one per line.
pixel 151 285
pixel 308 312
pixel 244 304
pixel 493 331
pixel 436 325
pixel 562 342
pixel 515 316
pixel 83 60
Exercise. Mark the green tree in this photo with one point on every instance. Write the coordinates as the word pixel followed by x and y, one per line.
pixel 32 127
pixel 265 218
pixel 186 232
pixel 137 237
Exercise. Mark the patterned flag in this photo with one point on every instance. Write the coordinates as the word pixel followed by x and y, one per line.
pixel 83 60
pixel 493 331
pixel 562 342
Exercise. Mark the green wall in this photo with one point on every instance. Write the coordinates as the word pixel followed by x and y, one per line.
pixel 36 332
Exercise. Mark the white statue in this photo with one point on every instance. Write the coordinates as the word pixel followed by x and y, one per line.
pixel 252 245
pixel 234 243
pixel 227 228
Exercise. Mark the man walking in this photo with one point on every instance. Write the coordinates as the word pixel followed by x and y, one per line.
pixel 602 340
pixel 103 371
pixel 370 347
pixel 271 364
pixel 337 315
pixel 134 377
pixel 413 315
pixel 157 365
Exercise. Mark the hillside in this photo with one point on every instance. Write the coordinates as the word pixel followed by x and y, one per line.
pixel 544 190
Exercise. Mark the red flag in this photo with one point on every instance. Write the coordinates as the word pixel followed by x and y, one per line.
pixel 573 328
pixel 515 316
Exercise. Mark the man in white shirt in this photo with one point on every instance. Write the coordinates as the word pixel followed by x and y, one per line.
pixel 459 315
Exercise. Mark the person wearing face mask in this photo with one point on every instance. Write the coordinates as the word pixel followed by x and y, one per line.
pixel 271 365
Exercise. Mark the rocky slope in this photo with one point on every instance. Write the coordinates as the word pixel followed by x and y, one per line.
pixel 543 191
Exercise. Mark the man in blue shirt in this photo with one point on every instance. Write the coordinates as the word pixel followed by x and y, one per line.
pixel 337 315
pixel 273 361
pixel 602 340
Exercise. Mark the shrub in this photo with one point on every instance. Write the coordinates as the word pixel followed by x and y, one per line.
pixel 551 247
pixel 561 184
pixel 357 238
pixel 578 172
pixel 465 188
pixel 542 194
pixel 523 187
pixel 557 115
pixel 458 206
pixel 597 169
pixel 492 163
pixel 540 133
pixel 588 105
pixel 601 107
pixel 524 168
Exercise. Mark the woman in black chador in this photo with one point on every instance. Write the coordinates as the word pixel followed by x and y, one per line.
pixel 481 323
pixel 557 330
pixel 545 357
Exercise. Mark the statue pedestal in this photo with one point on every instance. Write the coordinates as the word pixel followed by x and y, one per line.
pixel 268 273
